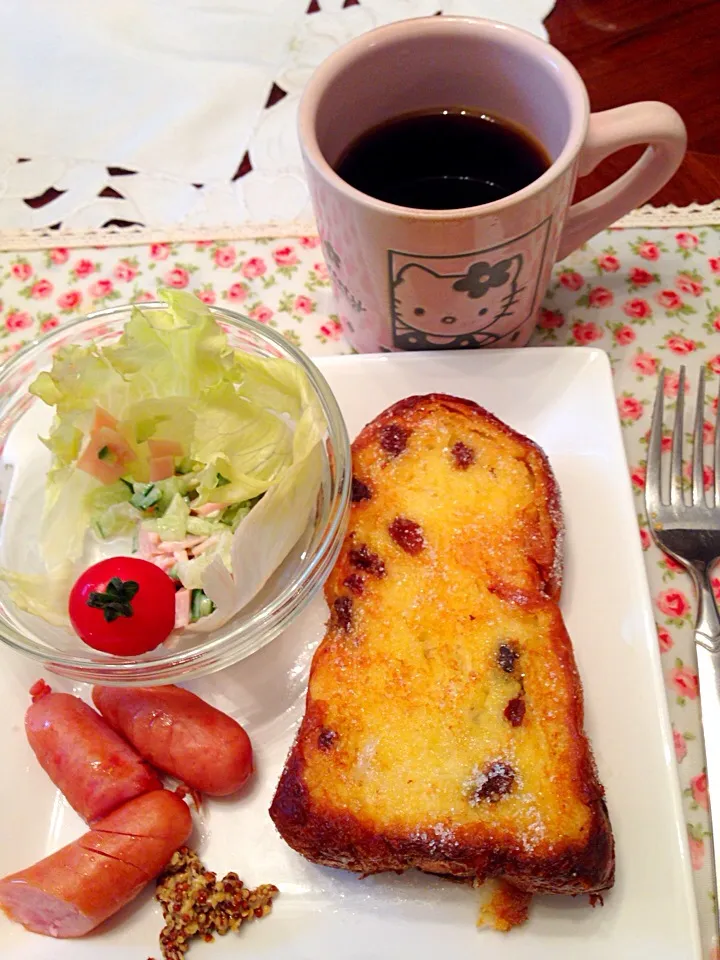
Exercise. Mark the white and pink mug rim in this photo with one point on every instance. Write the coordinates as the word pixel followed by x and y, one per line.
pixel 408 30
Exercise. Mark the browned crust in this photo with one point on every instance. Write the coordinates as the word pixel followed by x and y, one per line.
pixel 343 839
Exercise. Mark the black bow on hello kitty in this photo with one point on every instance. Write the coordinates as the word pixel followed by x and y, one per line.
pixel 481 276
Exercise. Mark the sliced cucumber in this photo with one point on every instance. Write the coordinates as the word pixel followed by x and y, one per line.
pixel 145 496
pixel 200 605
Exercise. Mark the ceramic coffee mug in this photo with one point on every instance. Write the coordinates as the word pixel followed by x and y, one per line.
pixel 413 279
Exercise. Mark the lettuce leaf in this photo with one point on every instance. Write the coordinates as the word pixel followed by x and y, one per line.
pixel 66 516
pixel 271 382
pixel 200 527
pixel 263 540
pixel 43 596
pixel 171 418
pixel 111 514
pixel 245 444
pixel 172 353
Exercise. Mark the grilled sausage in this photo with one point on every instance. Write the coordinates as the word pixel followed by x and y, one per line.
pixel 92 766
pixel 72 891
pixel 180 734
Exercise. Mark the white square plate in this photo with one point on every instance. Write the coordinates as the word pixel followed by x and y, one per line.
pixel 563 399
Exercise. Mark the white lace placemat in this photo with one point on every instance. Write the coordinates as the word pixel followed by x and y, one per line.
pixel 173 115
pixel 693 215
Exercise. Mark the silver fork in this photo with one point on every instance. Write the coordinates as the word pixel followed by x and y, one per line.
pixel 687 526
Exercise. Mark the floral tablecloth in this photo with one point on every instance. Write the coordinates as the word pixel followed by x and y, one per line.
pixel 650 298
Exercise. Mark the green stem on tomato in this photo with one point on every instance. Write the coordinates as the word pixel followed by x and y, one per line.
pixel 116 599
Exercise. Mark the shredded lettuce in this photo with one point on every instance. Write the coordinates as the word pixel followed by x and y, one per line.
pixel 202 527
pixel 172 525
pixel 236 513
pixel 191 573
pixel 117 521
pixel 103 496
pixel 111 514
pixel 168 488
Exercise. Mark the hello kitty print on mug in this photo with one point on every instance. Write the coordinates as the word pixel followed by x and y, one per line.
pixel 425 302
pixel 477 299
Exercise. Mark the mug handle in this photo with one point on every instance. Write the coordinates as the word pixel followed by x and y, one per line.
pixel 650 122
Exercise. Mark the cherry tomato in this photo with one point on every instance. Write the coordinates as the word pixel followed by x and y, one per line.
pixel 123 605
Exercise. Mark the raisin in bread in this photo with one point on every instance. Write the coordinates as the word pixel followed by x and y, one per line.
pixel 444 718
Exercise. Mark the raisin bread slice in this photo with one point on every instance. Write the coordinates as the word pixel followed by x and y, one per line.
pixel 444 717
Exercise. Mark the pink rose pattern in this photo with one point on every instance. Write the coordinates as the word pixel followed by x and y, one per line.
pixel 283 283
pixel 650 299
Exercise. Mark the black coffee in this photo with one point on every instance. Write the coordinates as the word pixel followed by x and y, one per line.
pixel 443 160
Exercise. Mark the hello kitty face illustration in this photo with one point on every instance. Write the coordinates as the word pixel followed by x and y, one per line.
pixel 445 308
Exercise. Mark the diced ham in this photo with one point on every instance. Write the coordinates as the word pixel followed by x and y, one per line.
pixel 165 554
pixel 120 449
pixel 147 542
pixel 165 448
pixel 208 508
pixel 161 468
pixel 106 473
pixel 171 546
pixel 205 545
pixel 102 418
pixel 182 609
pixel 117 453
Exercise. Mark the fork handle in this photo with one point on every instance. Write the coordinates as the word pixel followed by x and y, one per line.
pixel 707 639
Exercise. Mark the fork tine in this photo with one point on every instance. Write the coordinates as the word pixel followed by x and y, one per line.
pixel 676 492
pixel 717 451
pixel 698 480
pixel 653 472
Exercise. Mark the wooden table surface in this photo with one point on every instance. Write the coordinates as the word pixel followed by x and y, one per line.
pixel 628 50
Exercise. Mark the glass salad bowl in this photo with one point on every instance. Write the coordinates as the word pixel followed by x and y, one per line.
pixel 24 462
